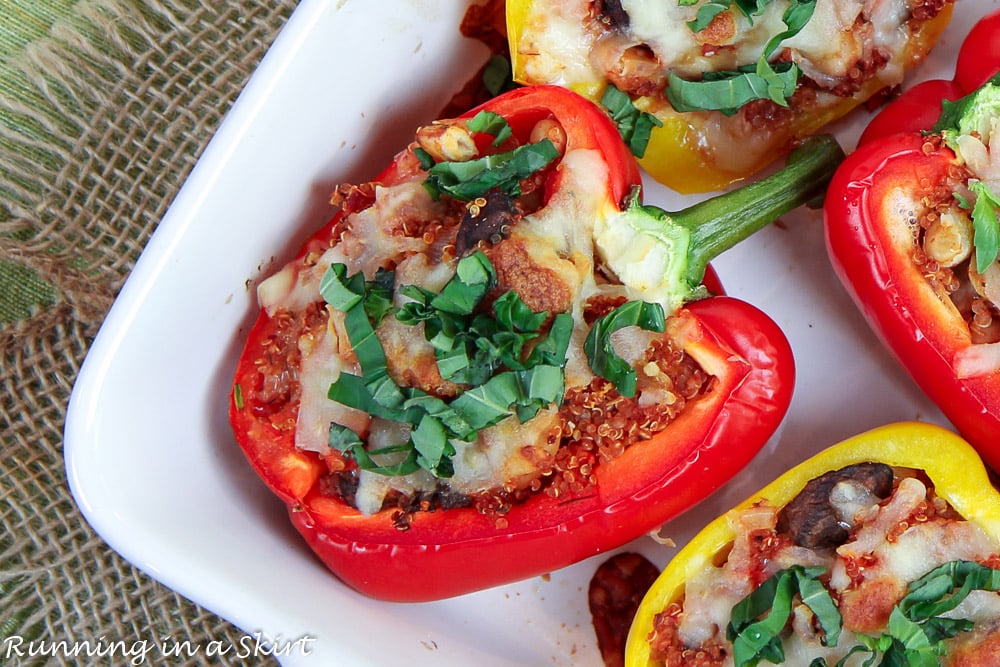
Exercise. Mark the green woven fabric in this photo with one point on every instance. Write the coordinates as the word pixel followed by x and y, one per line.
pixel 23 22
pixel 105 106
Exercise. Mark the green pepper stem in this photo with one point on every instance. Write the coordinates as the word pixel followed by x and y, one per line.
pixel 721 222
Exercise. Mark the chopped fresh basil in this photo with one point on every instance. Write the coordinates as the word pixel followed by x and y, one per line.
pixel 513 313
pixel 344 439
pixel 603 359
pixel 378 295
pixel 468 180
pixel 498 75
pixel 795 18
pixel 434 450
pixel 756 638
pixel 707 13
pixel 355 392
pixel 407 466
pixel 634 126
pixel 238 396
pixel 347 441
pixel 425 158
pixel 751 8
pixel 339 291
pixel 349 294
pixel 943 588
pixel 509 365
pixel 474 277
pixel 551 351
pixel 492 124
pixel 422 403
pixel 729 90
pixel 728 93
pixel 985 225
pixel 470 348
pixel 917 625
pixel 512 393
pixel 712 8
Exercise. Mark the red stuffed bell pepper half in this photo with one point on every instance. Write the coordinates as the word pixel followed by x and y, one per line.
pixel 494 361
pixel 912 231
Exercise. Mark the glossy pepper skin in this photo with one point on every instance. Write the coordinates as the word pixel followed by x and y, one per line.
pixel 955 470
pixel 870 246
pixel 675 155
pixel 455 551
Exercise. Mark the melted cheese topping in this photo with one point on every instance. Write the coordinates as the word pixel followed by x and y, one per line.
pixel 558 237
pixel 892 558
pixel 847 51
pixel 559 40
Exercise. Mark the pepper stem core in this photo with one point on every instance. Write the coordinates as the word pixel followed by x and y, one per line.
pixel 662 256
pixel 719 223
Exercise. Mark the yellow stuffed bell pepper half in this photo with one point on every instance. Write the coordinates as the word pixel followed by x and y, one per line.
pixel 836 564
pixel 732 85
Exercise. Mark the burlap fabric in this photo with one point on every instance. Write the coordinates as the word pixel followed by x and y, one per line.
pixel 105 105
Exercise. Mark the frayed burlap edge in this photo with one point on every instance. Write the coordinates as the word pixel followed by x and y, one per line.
pixel 103 123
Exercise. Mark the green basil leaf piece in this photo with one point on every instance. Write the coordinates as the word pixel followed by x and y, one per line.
pixel 815 596
pixel 469 347
pixel 751 8
pixel 634 126
pixel 347 441
pixel 498 75
pixel 604 361
pixel 707 13
pixel 728 94
pixel 378 295
pixel 474 277
pixel 727 91
pixel 943 588
pixel 985 225
pixel 424 158
pixel 422 403
pixel 917 629
pixel 795 18
pixel 551 351
pixel 515 315
pixel 468 180
pixel 343 439
pixel 490 402
pixel 430 440
pixel 339 290
pixel 511 393
pixel 756 622
pixel 406 466
pixel 356 392
pixel 492 124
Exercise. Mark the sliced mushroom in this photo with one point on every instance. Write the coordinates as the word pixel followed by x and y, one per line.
pixel 822 514
pixel 488 220
pixel 612 13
